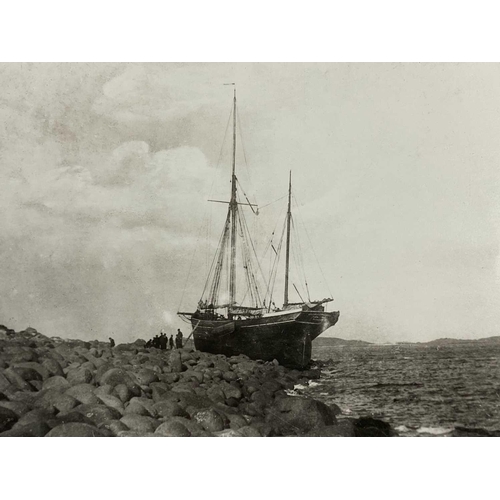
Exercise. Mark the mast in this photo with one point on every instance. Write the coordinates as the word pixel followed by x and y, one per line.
pixel 288 220
pixel 233 207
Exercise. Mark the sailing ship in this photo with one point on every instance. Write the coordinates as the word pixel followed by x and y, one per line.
pixel 262 330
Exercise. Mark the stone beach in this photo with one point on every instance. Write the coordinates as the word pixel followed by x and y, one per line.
pixel 60 388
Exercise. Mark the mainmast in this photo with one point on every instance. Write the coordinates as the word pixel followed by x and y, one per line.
pixel 288 220
pixel 233 207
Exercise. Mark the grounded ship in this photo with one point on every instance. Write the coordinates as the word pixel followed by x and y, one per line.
pixel 262 330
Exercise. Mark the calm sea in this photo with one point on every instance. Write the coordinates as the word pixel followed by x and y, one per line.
pixel 419 389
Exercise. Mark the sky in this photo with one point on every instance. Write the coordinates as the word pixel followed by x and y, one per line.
pixel 106 170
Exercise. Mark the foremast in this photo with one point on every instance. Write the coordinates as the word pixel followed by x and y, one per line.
pixel 233 208
pixel 288 221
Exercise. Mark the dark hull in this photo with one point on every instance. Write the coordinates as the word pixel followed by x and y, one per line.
pixel 286 337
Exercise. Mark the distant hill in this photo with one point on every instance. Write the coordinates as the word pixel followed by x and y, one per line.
pixel 334 341
pixel 446 341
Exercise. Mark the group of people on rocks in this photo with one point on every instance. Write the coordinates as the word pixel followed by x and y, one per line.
pixel 163 342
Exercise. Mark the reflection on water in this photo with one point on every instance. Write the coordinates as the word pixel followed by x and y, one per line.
pixel 419 389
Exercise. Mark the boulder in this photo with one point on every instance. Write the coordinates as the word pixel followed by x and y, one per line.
pixel 36 384
pixel 135 408
pixel 123 393
pixel 7 419
pixel 18 407
pixel 345 428
pixel 36 416
pixel 16 380
pixel 111 401
pixel 103 389
pixel 176 362
pixel 80 375
pixel 216 394
pixel 209 420
pixel 372 427
pixel 56 382
pixel 84 393
pixel 193 427
pixel 19 354
pixel 27 374
pixel 168 408
pixel 236 421
pixel 221 365
pixel 5 385
pixel 146 376
pixel 170 378
pixel 158 389
pixel 53 398
pixel 231 391
pixel 140 423
pixel 172 429
pixel 115 427
pixel 249 431
pixel 99 414
pixel 229 376
pixel 33 429
pixel 75 430
pixel 118 376
pixel 297 415
pixel 52 366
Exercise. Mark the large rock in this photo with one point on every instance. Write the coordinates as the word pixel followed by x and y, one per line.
pixel 193 427
pixel 372 427
pixel 111 401
pixel 5 385
pixel 176 361
pixel 135 408
pixel 84 393
pixel 172 429
pixel 118 376
pixel 99 414
pixel 80 375
pixel 25 370
pixel 209 420
pixel 230 391
pixel 36 416
pixel 18 407
pixel 158 389
pixel 53 398
pixel 216 394
pixel 16 380
pixel 75 430
pixel 140 423
pixel 147 404
pixel 69 417
pixel 123 393
pixel 115 427
pixel 7 419
pixel 298 415
pixel 345 428
pixel 169 408
pixel 52 366
pixel 56 382
pixel 145 376
pixel 33 429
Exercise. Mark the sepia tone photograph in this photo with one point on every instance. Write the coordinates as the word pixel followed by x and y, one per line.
pixel 249 250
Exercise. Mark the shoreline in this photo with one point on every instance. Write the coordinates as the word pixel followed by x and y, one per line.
pixel 61 388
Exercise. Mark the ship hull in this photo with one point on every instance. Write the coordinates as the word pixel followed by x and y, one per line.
pixel 285 336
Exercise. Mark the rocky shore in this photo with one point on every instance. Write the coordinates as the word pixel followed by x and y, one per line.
pixel 59 388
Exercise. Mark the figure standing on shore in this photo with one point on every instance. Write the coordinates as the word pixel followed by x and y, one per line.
pixel 163 341
pixel 111 342
pixel 171 342
pixel 178 339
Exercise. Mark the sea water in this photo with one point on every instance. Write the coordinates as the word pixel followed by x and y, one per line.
pixel 420 389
